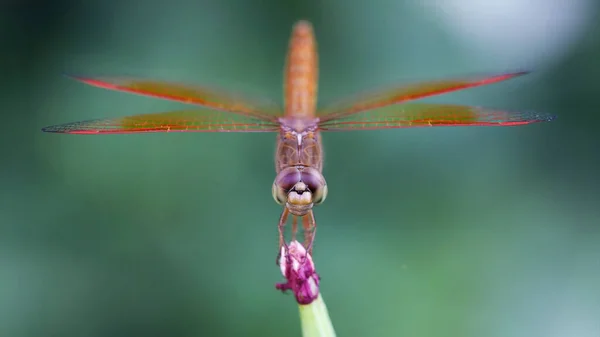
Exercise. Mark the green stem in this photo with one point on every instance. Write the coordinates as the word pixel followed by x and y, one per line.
pixel 315 319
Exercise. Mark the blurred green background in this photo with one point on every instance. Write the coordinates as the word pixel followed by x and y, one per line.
pixel 483 232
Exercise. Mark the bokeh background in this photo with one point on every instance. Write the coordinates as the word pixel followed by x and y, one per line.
pixel 483 232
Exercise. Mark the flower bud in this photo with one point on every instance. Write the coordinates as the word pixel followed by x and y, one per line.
pixel 299 270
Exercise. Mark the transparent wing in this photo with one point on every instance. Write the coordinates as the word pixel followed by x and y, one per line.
pixel 173 121
pixel 420 115
pixel 406 93
pixel 208 97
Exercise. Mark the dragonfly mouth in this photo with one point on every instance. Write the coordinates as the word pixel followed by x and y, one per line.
pixel 299 198
pixel 300 192
pixel 300 187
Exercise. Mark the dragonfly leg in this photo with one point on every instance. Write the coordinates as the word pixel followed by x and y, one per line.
pixel 281 227
pixel 294 227
pixel 310 228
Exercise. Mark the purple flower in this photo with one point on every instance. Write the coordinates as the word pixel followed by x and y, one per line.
pixel 299 270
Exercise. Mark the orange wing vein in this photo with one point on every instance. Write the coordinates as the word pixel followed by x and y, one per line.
pixel 407 93
pixel 173 121
pixel 420 115
pixel 189 94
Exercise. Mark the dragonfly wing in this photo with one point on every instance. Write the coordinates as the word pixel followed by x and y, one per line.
pixel 407 93
pixel 173 121
pixel 190 94
pixel 420 115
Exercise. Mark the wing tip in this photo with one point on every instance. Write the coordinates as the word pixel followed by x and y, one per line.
pixel 544 117
pixel 55 129
pixel 49 129
pixel 67 128
pixel 75 77
pixel 91 81
pixel 521 72
pixel 532 117
pixel 68 131
pixel 499 77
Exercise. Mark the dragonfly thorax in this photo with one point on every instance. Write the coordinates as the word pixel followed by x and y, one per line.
pixel 298 148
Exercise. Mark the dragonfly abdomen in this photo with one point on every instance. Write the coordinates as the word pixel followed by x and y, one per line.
pixel 301 73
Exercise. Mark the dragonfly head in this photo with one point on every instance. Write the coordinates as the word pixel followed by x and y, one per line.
pixel 299 188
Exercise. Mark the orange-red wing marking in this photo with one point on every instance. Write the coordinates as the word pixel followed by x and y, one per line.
pixel 190 94
pixel 419 115
pixel 407 93
pixel 174 121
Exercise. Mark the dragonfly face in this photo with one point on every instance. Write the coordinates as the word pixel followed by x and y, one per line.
pixel 299 188
pixel 299 184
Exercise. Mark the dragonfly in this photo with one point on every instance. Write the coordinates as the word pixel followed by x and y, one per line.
pixel 299 183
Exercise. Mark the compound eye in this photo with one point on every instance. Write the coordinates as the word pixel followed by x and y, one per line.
pixel 287 178
pixel 320 194
pixel 315 182
pixel 284 182
pixel 279 194
pixel 312 178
